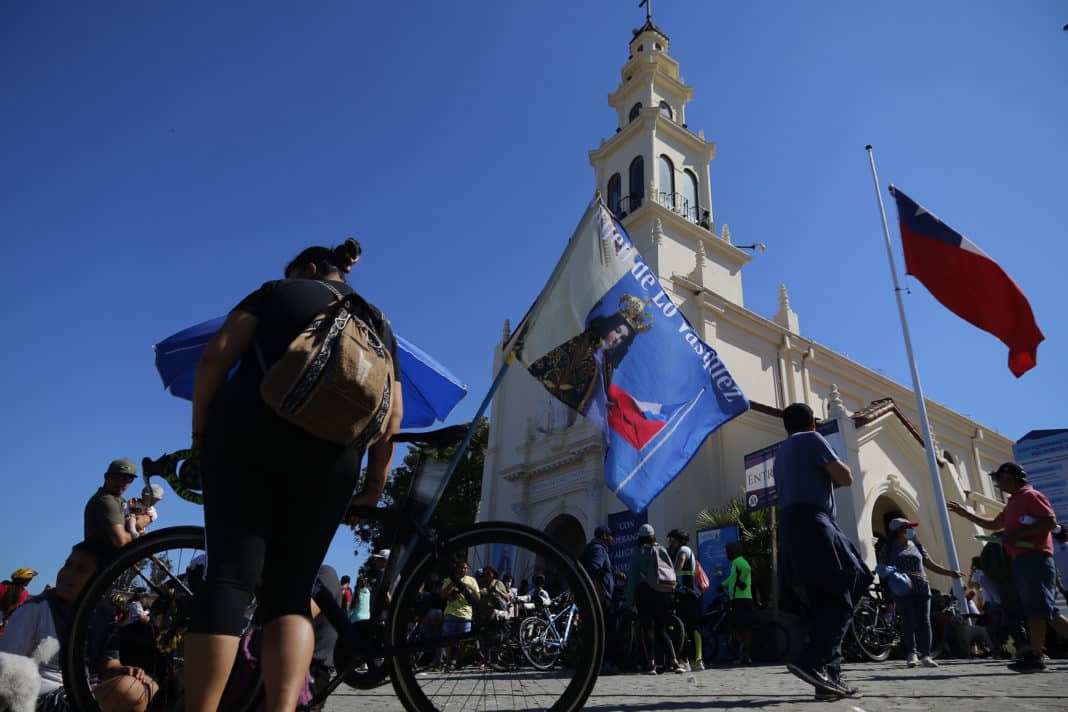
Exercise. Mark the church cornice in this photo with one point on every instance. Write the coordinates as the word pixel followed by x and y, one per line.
pixel 530 470
pixel 660 69
pixel 837 366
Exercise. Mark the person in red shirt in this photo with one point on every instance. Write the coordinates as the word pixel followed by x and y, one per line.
pixel 1027 522
pixel 13 593
pixel 346 593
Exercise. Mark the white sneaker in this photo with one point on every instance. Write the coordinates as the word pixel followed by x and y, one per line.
pixel 912 661
pixel 699 665
pixel 926 661
pixel 685 665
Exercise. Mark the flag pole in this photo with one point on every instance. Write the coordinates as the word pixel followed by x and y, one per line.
pixel 928 440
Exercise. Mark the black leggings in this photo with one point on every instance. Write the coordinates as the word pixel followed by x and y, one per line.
pixel 273 499
pixel 654 617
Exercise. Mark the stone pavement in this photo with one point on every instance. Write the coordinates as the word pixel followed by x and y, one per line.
pixel 957 686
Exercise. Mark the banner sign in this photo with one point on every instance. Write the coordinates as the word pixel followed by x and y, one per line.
pixel 760 467
pixel 624 526
pixel 712 553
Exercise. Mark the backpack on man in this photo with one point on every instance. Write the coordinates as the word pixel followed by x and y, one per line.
pixel 659 571
pixel 335 379
pixel 995 562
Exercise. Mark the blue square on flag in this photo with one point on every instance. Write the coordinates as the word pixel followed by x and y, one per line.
pixel 606 340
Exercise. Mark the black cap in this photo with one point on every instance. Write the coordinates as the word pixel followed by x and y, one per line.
pixel 1010 468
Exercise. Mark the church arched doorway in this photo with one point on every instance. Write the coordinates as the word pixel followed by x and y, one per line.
pixel 885 509
pixel 566 532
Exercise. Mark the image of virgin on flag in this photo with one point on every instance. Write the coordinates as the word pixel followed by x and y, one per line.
pixel 606 340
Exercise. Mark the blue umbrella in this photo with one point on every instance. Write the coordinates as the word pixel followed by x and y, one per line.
pixel 430 391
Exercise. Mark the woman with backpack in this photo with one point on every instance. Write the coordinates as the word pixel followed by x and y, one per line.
pixel 688 596
pixel 651 589
pixel 294 481
pixel 909 557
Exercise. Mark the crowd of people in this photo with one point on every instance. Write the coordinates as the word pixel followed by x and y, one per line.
pixel 271 549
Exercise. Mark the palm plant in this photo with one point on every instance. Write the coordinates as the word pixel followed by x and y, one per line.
pixel 756 531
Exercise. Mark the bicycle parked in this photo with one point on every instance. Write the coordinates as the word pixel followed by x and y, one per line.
pixel 395 643
pixel 771 640
pixel 546 637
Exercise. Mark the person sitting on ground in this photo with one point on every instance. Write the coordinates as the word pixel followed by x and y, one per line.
pixel 13 593
pixel 121 688
pixel 908 556
pixel 105 519
pixel 141 511
pixel 739 588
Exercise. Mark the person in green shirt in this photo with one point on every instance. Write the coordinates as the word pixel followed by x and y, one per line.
pixel 739 587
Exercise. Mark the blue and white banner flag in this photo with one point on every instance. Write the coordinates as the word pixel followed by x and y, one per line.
pixel 606 340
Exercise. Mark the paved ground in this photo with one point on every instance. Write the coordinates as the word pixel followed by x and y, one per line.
pixel 957 686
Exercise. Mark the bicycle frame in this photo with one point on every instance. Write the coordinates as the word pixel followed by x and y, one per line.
pixel 561 640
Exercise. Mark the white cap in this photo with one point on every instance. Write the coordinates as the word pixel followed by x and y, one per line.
pixel 646 530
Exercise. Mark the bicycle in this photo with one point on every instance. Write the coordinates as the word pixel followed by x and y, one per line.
pixel 540 636
pixel 770 641
pixel 874 630
pixel 395 644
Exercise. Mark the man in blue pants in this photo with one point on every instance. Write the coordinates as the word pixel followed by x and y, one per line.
pixel 818 562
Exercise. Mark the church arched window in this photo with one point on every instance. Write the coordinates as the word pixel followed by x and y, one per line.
pixel 689 196
pixel 665 109
pixel 637 183
pixel 634 111
pixel 667 181
pixel 615 193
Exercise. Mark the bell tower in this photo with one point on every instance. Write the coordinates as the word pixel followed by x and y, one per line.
pixel 655 176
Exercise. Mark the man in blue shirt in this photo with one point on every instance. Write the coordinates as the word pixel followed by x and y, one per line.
pixel 818 562
pixel 597 561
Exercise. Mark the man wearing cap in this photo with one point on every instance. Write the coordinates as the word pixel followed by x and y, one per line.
pixel 819 563
pixel 104 518
pixel 1028 521
pixel 597 560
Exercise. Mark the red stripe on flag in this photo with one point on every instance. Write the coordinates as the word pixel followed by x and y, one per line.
pixel 978 290
pixel 627 419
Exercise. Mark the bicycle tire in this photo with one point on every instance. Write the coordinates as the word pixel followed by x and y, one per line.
pixel 88 625
pixel 677 631
pixel 771 642
pixel 872 635
pixel 533 638
pixel 566 691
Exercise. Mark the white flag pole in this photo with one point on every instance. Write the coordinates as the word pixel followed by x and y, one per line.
pixel 928 441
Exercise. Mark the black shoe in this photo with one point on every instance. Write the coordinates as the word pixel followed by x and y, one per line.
pixel 1028 663
pixel 814 677
pixel 827 696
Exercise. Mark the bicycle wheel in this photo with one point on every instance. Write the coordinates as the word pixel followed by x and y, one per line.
pixel 770 642
pixel 539 643
pixel 873 635
pixel 155 566
pixel 562 689
pixel 677 633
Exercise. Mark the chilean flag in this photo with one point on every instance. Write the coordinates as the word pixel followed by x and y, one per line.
pixel 636 422
pixel 967 282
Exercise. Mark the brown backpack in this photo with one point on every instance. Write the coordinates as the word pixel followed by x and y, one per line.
pixel 335 380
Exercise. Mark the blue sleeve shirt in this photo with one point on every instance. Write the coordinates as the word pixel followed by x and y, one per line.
pixel 800 477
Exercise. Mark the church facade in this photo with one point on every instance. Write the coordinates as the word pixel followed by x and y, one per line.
pixel 543 465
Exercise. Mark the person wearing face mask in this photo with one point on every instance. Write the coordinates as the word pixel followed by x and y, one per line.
pixel 908 556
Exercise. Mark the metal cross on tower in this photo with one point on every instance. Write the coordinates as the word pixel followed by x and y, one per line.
pixel 648 5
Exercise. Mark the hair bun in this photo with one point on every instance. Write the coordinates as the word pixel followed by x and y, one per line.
pixel 349 250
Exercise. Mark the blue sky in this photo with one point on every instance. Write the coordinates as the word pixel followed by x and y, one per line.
pixel 161 161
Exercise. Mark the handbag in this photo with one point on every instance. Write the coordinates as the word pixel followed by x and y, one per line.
pixel 899 583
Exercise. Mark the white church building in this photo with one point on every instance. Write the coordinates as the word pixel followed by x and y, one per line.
pixel 543 465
